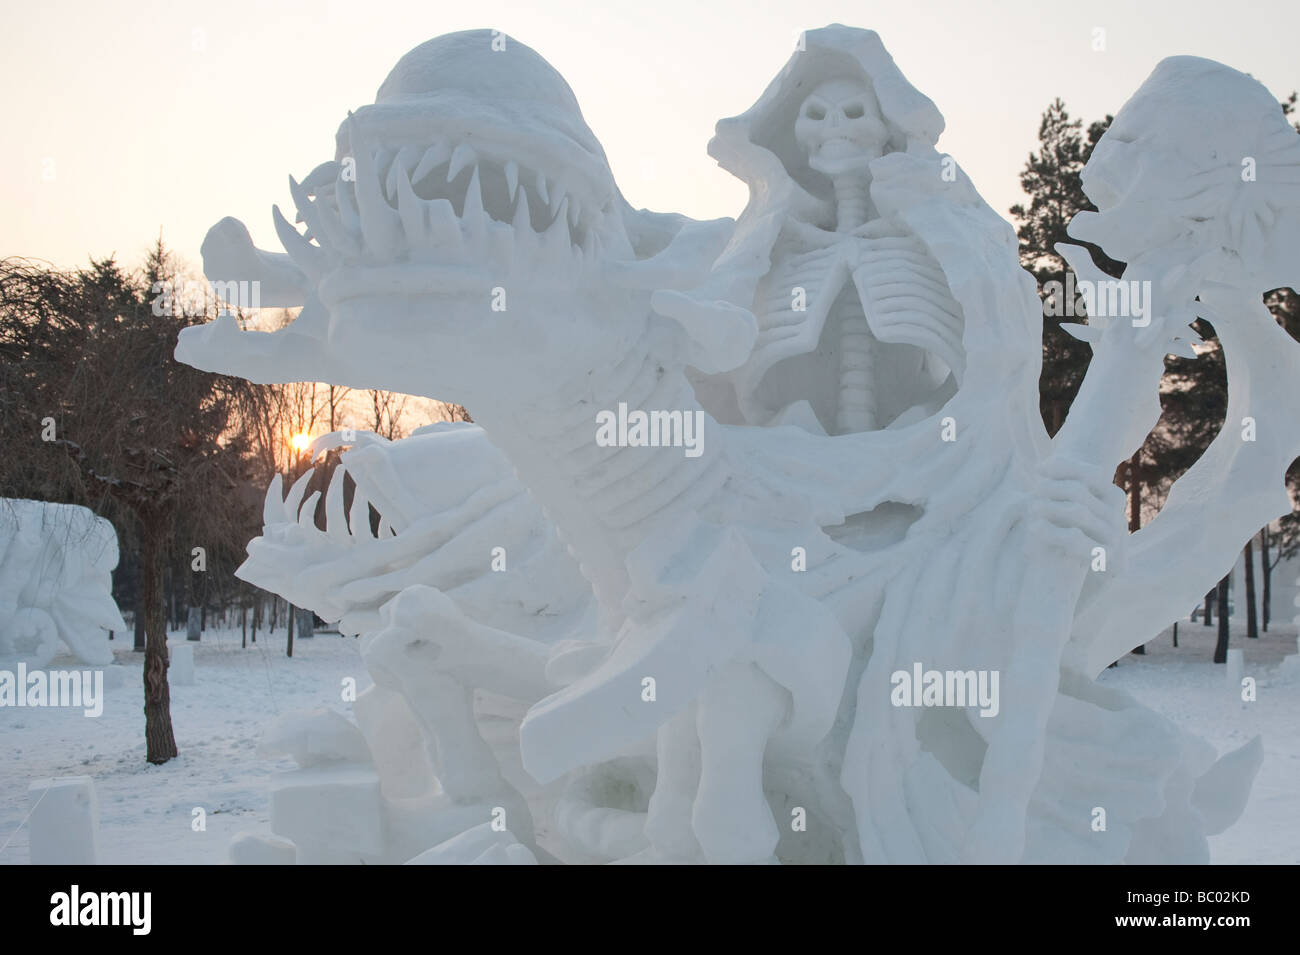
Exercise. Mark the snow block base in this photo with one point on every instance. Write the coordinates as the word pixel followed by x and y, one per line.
pixel 64 821
pixel 334 815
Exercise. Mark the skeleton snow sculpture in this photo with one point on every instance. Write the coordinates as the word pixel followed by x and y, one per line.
pixel 876 493
pixel 56 583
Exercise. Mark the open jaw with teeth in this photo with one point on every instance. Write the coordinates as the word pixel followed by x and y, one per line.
pixel 448 204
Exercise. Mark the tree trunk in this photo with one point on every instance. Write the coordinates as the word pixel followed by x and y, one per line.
pixel 1175 633
pixel 1268 575
pixel 1252 626
pixel 243 625
pixel 257 615
pixel 1207 619
pixel 1135 507
pixel 1221 648
pixel 139 620
pixel 160 742
pixel 306 623
pixel 289 614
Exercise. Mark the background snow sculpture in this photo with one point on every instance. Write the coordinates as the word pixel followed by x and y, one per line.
pixel 876 491
pixel 56 583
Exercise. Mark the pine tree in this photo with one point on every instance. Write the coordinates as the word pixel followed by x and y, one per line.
pixel 1051 179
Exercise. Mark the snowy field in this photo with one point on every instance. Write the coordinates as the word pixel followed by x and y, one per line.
pixel 146 811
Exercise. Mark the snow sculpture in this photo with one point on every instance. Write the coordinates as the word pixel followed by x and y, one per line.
pixel 56 583
pixel 835 595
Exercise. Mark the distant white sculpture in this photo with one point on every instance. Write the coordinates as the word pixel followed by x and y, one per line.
pixel 834 595
pixel 180 665
pixel 56 583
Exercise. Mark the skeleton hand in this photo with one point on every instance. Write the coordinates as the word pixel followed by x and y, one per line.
pixel 1078 508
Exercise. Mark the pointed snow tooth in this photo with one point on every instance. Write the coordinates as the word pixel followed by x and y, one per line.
pixel 336 521
pixel 300 197
pixel 575 214
pixel 390 182
pixel 348 214
pixel 406 158
pixel 524 238
pixel 321 177
pixel 512 178
pixel 311 259
pixel 273 504
pixel 326 228
pixel 380 225
pixel 556 237
pixel 359 514
pixel 473 214
pixel 411 209
pixel 558 195
pixel 385 528
pixel 460 158
pixel 442 221
pixel 541 189
pixel 434 156
pixel 561 214
pixel 332 222
pixel 383 161
pixel 294 498
pixel 307 516
pixel 523 218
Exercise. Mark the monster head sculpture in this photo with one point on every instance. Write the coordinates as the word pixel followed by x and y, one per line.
pixel 1200 158
pixel 468 211
pixel 480 203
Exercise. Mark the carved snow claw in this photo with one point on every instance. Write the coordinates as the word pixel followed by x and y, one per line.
pixel 1077 507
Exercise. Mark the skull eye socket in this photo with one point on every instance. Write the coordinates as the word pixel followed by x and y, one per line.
pixel 813 111
pixel 854 110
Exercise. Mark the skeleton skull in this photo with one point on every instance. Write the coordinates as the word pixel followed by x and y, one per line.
pixel 840 126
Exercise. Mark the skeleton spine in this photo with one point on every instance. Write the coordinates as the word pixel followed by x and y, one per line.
pixel 856 408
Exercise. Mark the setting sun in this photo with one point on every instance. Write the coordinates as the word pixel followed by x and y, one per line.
pixel 301 441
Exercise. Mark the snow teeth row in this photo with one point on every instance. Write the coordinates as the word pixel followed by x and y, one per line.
pixel 340 527
pixel 441 204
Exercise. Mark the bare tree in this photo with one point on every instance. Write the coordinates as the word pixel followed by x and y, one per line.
pixel 95 410
pixel 387 408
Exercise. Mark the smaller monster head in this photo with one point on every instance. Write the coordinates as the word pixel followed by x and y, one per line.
pixel 1201 158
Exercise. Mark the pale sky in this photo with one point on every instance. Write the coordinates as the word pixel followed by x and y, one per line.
pixel 124 118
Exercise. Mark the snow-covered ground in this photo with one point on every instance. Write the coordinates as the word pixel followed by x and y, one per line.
pixel 146 811
pixel 1184 685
